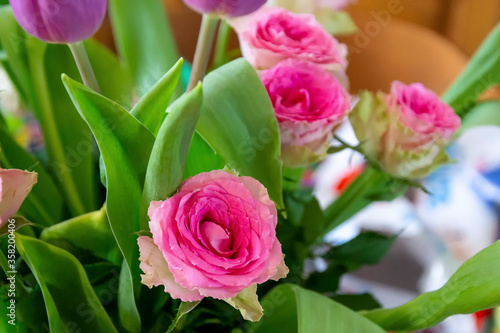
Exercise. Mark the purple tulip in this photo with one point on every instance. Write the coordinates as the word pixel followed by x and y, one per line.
pixel 60 21
pixel 229 8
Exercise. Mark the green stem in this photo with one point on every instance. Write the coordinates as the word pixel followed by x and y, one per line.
pixel 352 200
pixel 220 56
pixel 203 48
pixel 84 66
pixel 51 134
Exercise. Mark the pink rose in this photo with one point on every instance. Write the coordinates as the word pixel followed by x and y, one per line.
pixel 407 130
pixel 423 111
pixel 309 103
pixel 215 237
pixel 273 34
pixel 14 188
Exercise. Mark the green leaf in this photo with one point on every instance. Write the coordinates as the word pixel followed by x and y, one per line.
pixel 201 158
pixel 43 204
pixel 358 302
pixel 151 108
pixel 238 122
pixel 170 150
pixel 184 309
pixel 143 39
pixel 487 113
pixel 19 222
pixel 89 232
pixel 482 72
pixel 368 248
pixel 69 298
pixel 125 148
pixel 474 287
pixel 290 308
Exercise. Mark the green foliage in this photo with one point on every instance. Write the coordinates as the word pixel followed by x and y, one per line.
pixel 487 113
pixel 44 203
pixel 170 150
pixel 70 301
pixel 472 288
pixel 89 232
pixel 482 72
pixel 290 308
pixel 151 108
pixel 125 148
pixel 368 248
pixel 144 40
pixel 238 122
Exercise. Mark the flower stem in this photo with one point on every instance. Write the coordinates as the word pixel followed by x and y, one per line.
pixel 203 48
pixel 353 199
pixel 223 36
pixel 84 66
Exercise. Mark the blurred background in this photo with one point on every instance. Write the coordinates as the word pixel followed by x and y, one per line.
pixel 426 41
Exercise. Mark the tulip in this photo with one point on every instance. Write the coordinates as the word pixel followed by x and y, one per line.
pixel 60 21
pixel 14 187
pixel 229 8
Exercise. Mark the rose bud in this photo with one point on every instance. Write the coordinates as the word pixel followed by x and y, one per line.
pixel 309 104
pixel 63 22
pixel 228 8
pixel 14 188
pixel 273 34
pixel 406 131
pixel 216 237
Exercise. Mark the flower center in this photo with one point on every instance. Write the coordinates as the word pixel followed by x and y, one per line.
pixel 215 236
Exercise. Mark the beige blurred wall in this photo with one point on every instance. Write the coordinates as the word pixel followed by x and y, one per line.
pixel 465 22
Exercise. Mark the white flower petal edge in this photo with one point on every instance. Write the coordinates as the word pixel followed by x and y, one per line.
pixel 155 266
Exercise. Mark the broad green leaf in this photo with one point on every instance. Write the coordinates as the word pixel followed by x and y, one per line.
pixel 151 108
pixel 290 308
pixel 88 232
pixel 482 72
pixel 69 298
pixel 368 248
pixel 43 204
pixel 487 113
pixel 474 287
pixel 144 40
pixel 238 122
pixel 170 150
pixel 201 158
pixel 125 147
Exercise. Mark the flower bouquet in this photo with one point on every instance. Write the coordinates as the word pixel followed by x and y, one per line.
pixel 160 198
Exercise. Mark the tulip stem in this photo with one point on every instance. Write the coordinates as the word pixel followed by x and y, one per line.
pixel 84 66
pixel 203 49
